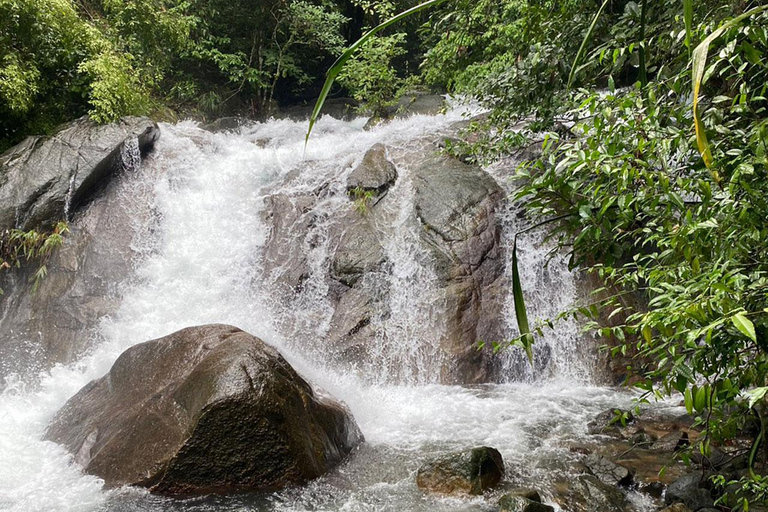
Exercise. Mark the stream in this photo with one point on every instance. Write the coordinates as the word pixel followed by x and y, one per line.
pixel 199 262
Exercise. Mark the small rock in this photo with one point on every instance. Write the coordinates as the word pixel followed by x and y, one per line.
pixel 375 173
pixel 608 471
pixel 671 442
pixel 677 507
pixel 689 490
pixel 468 472
pixel 517 503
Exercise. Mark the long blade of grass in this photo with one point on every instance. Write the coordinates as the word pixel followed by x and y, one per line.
pixel 583 46
pixel 699 63
pixel 688 16
pixel 337 66
pixel 526 338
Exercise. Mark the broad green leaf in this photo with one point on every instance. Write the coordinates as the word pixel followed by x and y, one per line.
pixel 699 63
pixel 700 399
pixel 337 66
pixel 583 46
pixel 756 395
pixel 744 325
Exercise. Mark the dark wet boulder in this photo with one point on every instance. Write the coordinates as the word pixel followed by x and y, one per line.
pixel 468 472
pixel 691 490
pixel 608 471
pixel 586 493
pixel 206 409
pixel 45 178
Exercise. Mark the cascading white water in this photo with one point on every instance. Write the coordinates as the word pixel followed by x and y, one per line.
pixel 200 265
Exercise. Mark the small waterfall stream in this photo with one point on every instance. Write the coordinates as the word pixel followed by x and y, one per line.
pixel 201 262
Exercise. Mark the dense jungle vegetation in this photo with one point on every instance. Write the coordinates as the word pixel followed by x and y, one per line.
pixel 652 116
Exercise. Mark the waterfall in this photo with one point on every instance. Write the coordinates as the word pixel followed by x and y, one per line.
pixel 201 259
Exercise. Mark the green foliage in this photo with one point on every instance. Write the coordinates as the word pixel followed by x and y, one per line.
pixel 18 246
pixel 370 76
pixel 640 207
pixel 362 199
pixel 512 55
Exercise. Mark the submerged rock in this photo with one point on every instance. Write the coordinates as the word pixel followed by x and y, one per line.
pixel 206 409
pixel 468 472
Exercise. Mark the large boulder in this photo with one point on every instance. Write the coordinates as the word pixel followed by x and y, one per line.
pixel 206 409
pixel 45 178
pixel 469 472
pixel 412 214
pixel 81 171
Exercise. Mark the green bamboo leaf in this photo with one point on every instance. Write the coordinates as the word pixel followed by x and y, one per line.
pixel 337 66
pixel 583 46
pixel 744 325
pixel 526 338
pixel 699 63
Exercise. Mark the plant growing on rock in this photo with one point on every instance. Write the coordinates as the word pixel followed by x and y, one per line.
pixel 18 246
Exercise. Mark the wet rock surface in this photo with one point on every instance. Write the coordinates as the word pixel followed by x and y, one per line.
pixel 456 232
pixel 470 472
pixel 586 493
pixel 206 409
pixel 92 169
pixel 608 471
pixel 44 178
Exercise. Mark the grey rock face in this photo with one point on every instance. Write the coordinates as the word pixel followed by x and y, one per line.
pixel 206 409
pixel 468 472
pixel 453 208
pixel 608 471
pixel 81 166
pixel 43 179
